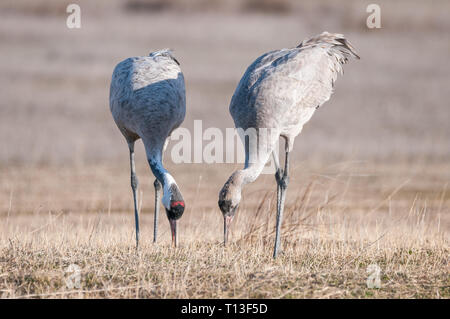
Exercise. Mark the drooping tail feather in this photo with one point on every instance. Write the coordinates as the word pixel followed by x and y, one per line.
pixel 336 42
pixel 164 52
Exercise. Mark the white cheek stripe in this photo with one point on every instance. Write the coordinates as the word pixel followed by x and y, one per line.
pixel 167 194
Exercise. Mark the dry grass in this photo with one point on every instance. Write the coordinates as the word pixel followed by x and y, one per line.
pixel 339 220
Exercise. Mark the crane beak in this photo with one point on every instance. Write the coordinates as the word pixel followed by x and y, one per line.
pixel 226 224
pixel 173 229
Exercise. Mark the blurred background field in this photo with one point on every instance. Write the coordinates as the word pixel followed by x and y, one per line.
pixel 372 166
pixel 55 81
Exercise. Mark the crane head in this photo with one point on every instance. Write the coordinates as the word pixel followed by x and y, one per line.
pixel 229 199
pixel 174 210
pixel 228 211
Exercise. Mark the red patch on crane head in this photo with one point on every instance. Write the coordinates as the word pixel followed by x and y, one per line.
pixel 177 203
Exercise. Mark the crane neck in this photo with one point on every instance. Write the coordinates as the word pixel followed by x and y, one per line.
pixel 247 175
pixel 171 191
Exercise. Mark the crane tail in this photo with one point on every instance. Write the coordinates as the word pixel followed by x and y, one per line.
pixel 164 52
pixel 335 42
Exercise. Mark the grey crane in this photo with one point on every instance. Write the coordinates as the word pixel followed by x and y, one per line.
pixel 279 92
pixel 148 101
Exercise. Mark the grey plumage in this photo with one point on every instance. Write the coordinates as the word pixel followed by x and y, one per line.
pixel 280 91
pixel 147 100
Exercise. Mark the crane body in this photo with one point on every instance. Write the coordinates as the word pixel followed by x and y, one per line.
pixel 280 91
pixel 147 101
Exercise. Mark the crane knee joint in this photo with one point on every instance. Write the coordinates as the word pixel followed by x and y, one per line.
pixel 157 185
pixel 284 182
pixel 134 181
pixel 279 175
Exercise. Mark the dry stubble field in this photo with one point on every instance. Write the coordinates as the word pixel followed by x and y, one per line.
pixel 370 172
pixel 339 220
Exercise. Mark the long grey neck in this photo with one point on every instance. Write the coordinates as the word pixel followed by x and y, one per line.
pixel 170 187
pixel 158 170
pixel 253 169
pixel 247 175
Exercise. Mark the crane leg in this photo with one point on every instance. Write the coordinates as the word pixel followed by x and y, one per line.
pixel 157 185
pixel 282 181
pixel 278 176
pixel 134 186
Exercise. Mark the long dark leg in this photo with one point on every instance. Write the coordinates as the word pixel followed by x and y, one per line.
pixel 157 185
pixel 282 181
pixel 134 186
pixel 278 176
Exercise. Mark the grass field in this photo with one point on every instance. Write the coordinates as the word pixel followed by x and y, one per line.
pixel 339 220
pixel 370 171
